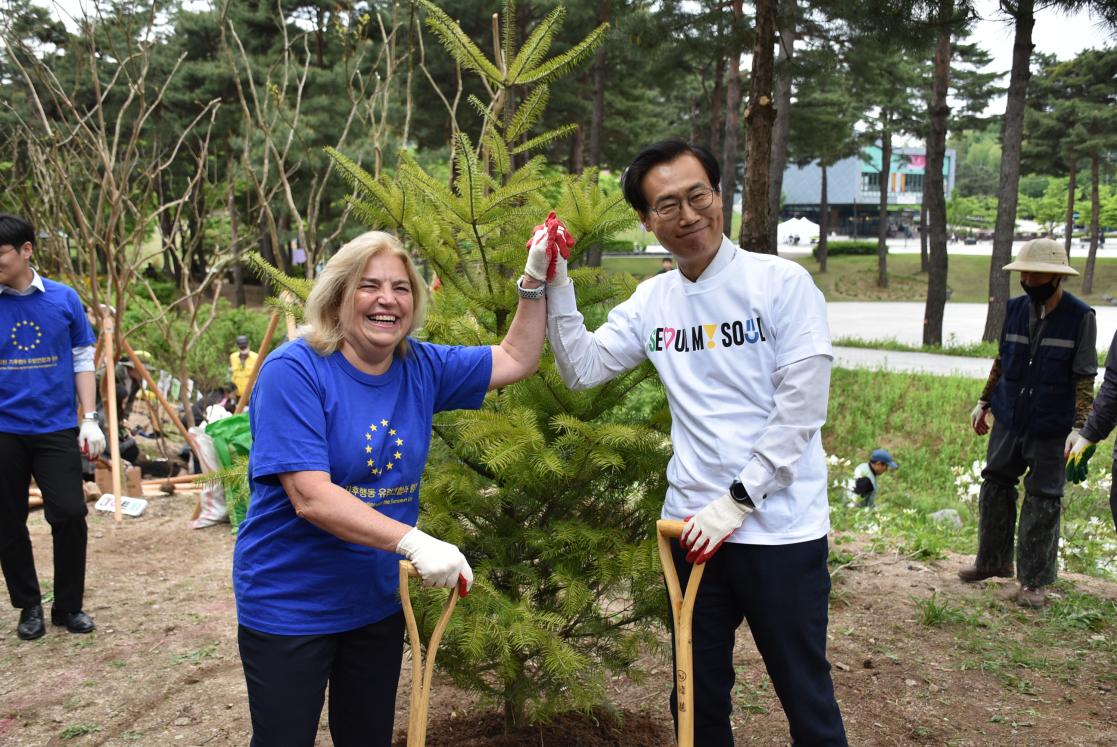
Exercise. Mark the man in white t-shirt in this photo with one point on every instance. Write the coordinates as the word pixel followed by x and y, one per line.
pixel 741 343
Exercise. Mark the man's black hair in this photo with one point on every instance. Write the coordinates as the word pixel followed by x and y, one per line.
pixel 662 152
pixel 15 231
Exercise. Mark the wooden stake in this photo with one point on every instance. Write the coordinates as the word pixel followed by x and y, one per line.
pixel 242 399
pixel 420 675
pixel 167 406
pixel 682 614
pixel 108 327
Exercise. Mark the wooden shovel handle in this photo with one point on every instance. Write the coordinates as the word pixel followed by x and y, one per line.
pixel 420 675
pixel 682 614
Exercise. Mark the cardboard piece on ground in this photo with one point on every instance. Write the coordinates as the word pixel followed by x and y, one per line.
pixel 132 486
pixel 128 506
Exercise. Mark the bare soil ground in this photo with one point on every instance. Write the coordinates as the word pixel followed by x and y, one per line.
pixel 162 668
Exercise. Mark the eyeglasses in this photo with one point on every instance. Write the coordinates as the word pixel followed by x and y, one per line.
pixel 699 199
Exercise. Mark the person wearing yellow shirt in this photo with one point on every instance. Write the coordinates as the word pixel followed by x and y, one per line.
pixel 241 362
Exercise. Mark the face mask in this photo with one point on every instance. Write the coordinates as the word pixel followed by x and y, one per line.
pixel 1040 293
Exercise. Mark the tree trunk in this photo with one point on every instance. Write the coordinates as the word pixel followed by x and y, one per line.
pixel 823 222
pixel 600 68
pixel 759 118
pixel 885 174
pixel 716 99
pixel 788 16
pixel 1011 135
pixel 934 193
pixel 1072 186
pixel 923 230
pixel 1088 273
pixel 592 256
pixel 577 148
pixel 234 226
pixel 267 246
pixel 732 125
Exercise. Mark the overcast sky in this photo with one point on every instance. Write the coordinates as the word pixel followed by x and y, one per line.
pixel 1055 33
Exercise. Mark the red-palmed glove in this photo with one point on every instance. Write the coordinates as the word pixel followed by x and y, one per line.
pixel 548 251
pixel 91 439
pixel 704 532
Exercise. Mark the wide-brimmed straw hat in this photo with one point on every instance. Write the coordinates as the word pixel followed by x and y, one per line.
pixel 1042 255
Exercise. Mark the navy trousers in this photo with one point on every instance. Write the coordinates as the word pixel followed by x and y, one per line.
pixel 55 462
pixel 783 592
pixel 287 677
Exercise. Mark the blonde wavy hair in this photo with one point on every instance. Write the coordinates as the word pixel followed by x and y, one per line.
pixel 336 288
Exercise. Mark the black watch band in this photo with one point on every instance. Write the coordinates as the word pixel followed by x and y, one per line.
pixel 739 494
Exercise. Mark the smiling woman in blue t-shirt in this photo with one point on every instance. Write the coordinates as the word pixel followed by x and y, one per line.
pixel 341 421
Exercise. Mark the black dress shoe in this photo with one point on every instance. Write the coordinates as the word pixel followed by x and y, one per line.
pixel 75 622
pixel 31 623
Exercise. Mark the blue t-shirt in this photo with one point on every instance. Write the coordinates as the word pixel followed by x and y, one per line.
pixel 371 434
pixel 37 335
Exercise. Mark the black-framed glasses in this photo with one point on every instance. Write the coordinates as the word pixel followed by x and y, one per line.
pixel 699 199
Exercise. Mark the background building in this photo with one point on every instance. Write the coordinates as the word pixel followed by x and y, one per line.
pixel 853 191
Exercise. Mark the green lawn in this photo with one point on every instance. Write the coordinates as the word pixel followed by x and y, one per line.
pixel 854 278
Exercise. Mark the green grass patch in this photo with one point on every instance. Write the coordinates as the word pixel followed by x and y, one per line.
pixel 854 278
pixel 639 266
pixel 924 421
pixel 846 248
pixel 79 730
pixel 968 350
pixel 935 612
pixel 196 656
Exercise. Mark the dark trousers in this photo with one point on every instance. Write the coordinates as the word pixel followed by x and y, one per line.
pixel 1113 496
pixel 783 592
pixel 55 462
pixel 1011 455
pixel 287 677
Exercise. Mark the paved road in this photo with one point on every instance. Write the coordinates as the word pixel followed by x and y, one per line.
pixel 1078 250
pixel 903 322
pixel 942 365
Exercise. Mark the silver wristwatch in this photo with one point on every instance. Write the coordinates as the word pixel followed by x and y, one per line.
pixel 531 294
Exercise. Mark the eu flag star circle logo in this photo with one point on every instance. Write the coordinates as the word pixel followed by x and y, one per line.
pixel 383 442
pixel 26 335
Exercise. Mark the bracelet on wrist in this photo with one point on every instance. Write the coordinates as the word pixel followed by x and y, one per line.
pixel 530 294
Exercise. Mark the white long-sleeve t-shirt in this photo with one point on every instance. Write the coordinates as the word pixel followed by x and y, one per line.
pixel 744 354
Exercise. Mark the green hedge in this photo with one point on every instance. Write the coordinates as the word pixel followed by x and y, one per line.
pixel 835 248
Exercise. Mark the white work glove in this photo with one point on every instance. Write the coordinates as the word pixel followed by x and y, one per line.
pixel 537 259
pixel 439 563
pixel 91 441
pixel 704 532
pixel 979 418
pixel 548 251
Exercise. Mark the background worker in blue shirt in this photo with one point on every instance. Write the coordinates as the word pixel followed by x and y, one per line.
pixel 46 355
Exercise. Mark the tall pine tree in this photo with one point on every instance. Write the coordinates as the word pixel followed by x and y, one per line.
pixel 551 494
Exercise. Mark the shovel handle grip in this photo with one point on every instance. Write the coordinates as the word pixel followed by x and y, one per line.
pixel 671 528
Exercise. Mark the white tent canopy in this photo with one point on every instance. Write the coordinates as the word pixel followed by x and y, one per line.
pixel 800 228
